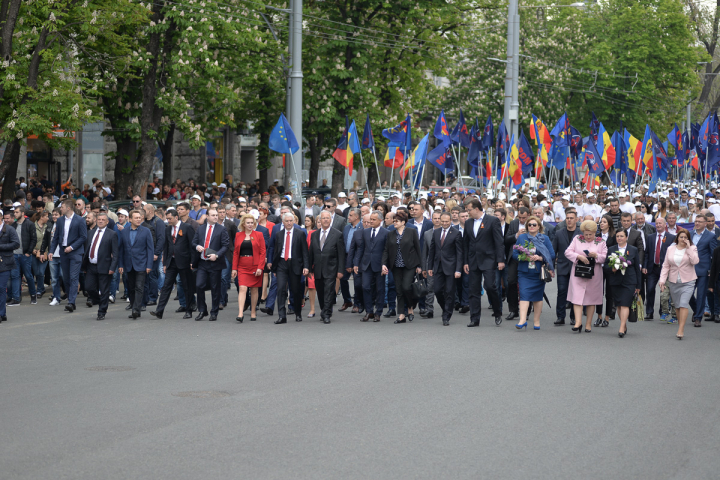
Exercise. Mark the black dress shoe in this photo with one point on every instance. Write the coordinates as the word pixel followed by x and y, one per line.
pixel 157 314
pixel 446 323
pixel 399 321
pixel 124 297
pixel 280 321
pixel 298 318
pixel 69 308
pixel 559 322
pixel 390 313
pixel 464 309
pixel 326 320
pixel 429 315
pixel 134 315
pixel 457 307
pixel 187 315
pixel 423 312
pixel 100 317
pixel 88 304
pixel 64 296
pixel 512 315
pixel 200 316
pixel 498 320
pixel 361 309
pixel 3 318
pixel 290 311
pixel 473 324
pixel 368 317
pixel 181 309
pixel 151 303
pixel 85 294
pixel 128 307
pixel 410 317
pixel 176 298
pixel 213 318
pixel 267 311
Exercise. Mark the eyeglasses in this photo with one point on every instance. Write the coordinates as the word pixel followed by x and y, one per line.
pixel 532 224
pixel 137 201
pixel 328 206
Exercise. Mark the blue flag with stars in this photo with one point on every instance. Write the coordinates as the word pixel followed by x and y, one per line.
pixel 282 138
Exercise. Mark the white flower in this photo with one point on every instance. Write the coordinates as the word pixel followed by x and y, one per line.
pixel 19 136
pixel 52 17
pixel 11 76
pixel 54 93
pixel 88 113
pixel 11 125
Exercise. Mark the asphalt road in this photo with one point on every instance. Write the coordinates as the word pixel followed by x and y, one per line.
pixel 179 399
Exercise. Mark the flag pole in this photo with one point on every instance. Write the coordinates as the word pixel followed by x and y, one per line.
pixel 427 148
pixel 362 164
pixel 392 169
pixel 457 162
pixel 376 164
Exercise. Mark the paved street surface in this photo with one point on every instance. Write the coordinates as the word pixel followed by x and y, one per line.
pixel 179 399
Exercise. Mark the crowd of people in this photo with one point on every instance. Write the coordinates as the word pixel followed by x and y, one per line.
pixel 606 248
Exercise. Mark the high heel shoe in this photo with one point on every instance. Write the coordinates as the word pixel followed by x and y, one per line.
pixel 536 328
pixel 399 320
pixel 605 323
pixel 253 319
pixel 622 334
pixel 520 327
pixel 240 319
pixel 679 337
pixel 577 329
pixel 597 323
pixel 410 317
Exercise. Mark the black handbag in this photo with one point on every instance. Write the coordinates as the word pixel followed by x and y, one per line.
pixel 545 274
pixel 583 270
pixel 418 289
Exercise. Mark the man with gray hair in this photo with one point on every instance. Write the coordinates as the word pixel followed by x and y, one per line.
pixel 368 261
pixel 430 298
pixel 327 262
pixel 272 290
pixel 351 229
pixel 99 264
pixel 539 212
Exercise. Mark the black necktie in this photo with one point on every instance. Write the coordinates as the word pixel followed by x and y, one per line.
pixel 372 236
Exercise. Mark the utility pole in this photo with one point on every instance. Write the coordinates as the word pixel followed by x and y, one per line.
pixel 512 105
pixel 296 84
pixel 689 115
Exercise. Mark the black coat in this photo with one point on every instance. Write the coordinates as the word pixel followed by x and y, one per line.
pixel 219 242
pixel 9 241
pixel 651 243
pixel 329 261
pixel 560 243
pixel 182 249
pixel 409 248
pixel 106 250
pixel 232 230
pixel 485 251
pixel 635 239
pixel 632 273
pixel 447 255
pixel 29 236
pixel 299 253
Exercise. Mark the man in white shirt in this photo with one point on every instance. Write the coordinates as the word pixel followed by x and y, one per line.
pixel 559 208
pixel 342 201
pixel 626 206
pixel 592 208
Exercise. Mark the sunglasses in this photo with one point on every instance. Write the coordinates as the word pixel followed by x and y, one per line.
pixel 532 224
pixel 328 206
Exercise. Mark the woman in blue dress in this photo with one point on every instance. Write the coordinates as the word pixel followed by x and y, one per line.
pixel 531 285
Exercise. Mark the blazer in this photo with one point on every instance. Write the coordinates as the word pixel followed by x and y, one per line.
pixel 159 227
pixel 77 235
pixel 487 249
pixel 346 232
pixel 523 266
pixel 368 255
pixel 651 243
pixel 106 251
pixel 138 257
pixel 409 247
pixel 232 230
pixel 509 239
pixel 182 248
pixel 299 254
pixel 219 241
pixel 549 230
pixel 448 255
pixel 705 247
pixel 258 246
pixel 423 227
pixel 563 265
pixel 632 273
pixel 635 239
pixel 338 223
pixel 271 239
pixel 352 251
pixel 427 241
pixel 265 233
pixel 647 229
pixel 687 265
pixel 329 261
pixel 9 241
pixel 29 235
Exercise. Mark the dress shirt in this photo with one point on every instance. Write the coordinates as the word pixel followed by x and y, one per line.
pixel 326 233
pixel 209 230
pixel 350 236
pixel 133 236
pixel 661 237
pixel 284 240
pixel 697 236
pixel 68 222
pixel 97 238
pixel 476 224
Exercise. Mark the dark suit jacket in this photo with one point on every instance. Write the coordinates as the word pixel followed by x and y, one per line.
pixel 271 239
pixel 29 235
pixel 339 222
pixel 368 255
pixel 266 234
pixel 447 255
pixel 560 243
pixel 652 243
pixel 409 248
pixel 9 241
pixel 635 239
pixel 232 230
pixel 487 249
pixel 632 273
pixel 299 254
pixel 509 240
pixel 219 241
pixel 159 230
pixel 549 230
pixel 106 251
pixel 706 246
pixel 182 249
pixel 422 228
pixel 138 257
pixel 329 261
pixel 77 236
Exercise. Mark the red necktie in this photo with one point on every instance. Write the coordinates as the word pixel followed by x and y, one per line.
pixel 207 237
pixel 92 249
pixel 174 233
pixel 287 246
pixel 657 250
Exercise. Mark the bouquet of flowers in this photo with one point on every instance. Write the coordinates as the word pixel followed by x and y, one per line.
pixel 619 262
pixel 525 251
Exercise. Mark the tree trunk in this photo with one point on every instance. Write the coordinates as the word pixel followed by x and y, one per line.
pixel 264 162
pixel 9 168
pixel 338 179
pixel 125 157
pixel 373 178
pixel 166 149
pixel 316 145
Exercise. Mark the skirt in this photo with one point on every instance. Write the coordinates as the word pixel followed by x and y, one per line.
pixel 246 273
pixel 623 295
pixel 531 287
pixel 681 293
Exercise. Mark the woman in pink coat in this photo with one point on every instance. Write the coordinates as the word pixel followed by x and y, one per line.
pixel 678 274
pixel 586 292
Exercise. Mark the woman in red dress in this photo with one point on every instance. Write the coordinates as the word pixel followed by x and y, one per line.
pixel 248 263
pixel 310 228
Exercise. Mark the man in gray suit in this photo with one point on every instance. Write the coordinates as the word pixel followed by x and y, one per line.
pixel 338 221
pixel 427 241
pixel 311 208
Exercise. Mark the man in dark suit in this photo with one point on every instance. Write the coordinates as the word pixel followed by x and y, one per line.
pixel 514 229
pixel 99 263
pixel 549 228
pixel 327 262
pixel 427 241
pixel 136 258
pixel 178 254
pixel 417 218
pixel 210 241
pixel 290 262
pixel 368 262
pixel 445 259
pixel 23 257
pixel 338 221
pixel 157 229
pixel 705 241
pixel 563 266
pixel 71 235
pixel 9 241
pixel 484 253
pixel 636 238
pixel 501 275
pixel 270 252
pixel 354 227
pixel 655 259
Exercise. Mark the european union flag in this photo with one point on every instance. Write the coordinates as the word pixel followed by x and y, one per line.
pixel 368 142
pixel 488 135
pixel 282 138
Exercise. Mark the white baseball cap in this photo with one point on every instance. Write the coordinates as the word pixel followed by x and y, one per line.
pixel 445 190
pixel 566 197
pixel 277 180
pixel 197 196
pixel 365 200
pixel 222 185
pixel 440 201
pixel 438 207
pixel 591 195
pixel 214 184
pixel 380 198
pixel 342 195
pixel 255 214
pixel 122 211
pixel 156 191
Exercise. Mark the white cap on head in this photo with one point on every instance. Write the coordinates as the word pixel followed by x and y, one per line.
pixel 380 199
pixel 440 201
pixel 255 214
pixel 197 196
pixel 689 201
pixel 395 195
pixel 543 203
pixel 502 196
pixel 214 184
pixel 591 195
pixel 342 195
pixel 156 191
pixel 23 185
pixel 122 211
pixel 277 180
pixel 16 204
pixel 365 200
pixel 438 207
pixel 445 190
pixel 566 197
pixel 222 185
